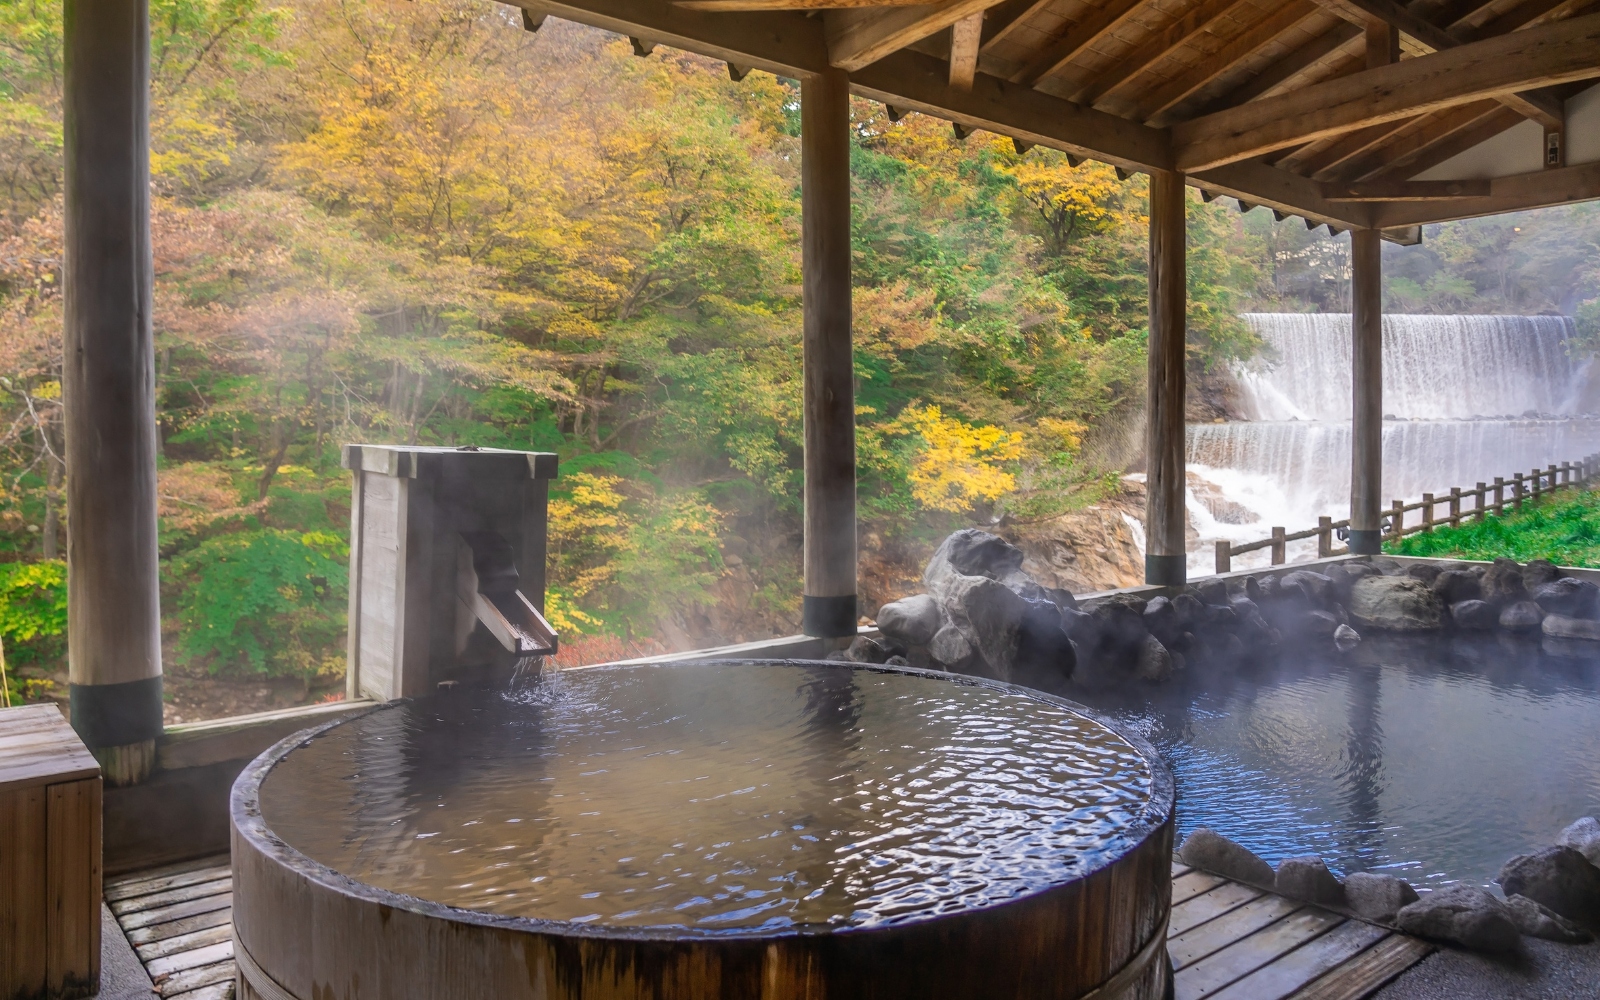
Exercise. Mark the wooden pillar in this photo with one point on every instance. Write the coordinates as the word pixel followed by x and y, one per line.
pixel 1164 440
pixel 829 607
pixel 114 636
pixel 1366 417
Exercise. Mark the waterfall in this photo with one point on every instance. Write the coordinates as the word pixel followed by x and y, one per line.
pixel 1465 399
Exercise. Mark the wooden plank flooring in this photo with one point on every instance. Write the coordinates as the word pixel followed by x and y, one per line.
pixel 1228 941
pixel 179 921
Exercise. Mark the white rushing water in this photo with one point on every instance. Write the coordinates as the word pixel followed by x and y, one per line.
pixel 1465 399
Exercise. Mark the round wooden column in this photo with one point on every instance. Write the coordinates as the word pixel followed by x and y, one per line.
pixel 830 422
pixel 108 375
pixel 1164 435
pixel 1366 415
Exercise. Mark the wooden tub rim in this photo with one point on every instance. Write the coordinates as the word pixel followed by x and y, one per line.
pixel 248 823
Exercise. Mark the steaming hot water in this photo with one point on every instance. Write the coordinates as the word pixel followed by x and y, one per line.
pixel 710 799
pixel 1466 398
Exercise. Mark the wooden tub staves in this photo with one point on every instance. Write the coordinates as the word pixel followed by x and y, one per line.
pixel 307 932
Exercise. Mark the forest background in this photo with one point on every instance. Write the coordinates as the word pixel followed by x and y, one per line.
pixel 416 222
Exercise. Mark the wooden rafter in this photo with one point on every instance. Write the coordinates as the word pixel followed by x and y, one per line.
pixel 746 5
pixel 1387 191
pixel 1100 21
pixel 1237 49
pixel 965 37
pixel 1450 134
pixel 1334 44
pixel 858 38
pixel 1157 47
pixel 1523 60
pixel 1540 189
pixel 1005 17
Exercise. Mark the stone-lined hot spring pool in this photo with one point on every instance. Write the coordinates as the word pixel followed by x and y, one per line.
pixel 1434 759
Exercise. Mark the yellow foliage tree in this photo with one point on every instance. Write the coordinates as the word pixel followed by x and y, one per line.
pixel 959 464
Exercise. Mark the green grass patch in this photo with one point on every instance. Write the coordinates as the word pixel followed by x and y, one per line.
pixel 1564 529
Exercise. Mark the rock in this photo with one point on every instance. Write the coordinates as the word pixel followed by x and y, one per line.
pixel 1537 573
pixel 1395 604
pixel 1320 624
pixel 897 661
pixel 912 620
pixel 970 552
pixel 1560 878
pixel 1377 897
pixel 1537 920
pixel 1308 878
pixel 1212 592
pixel 1426 572
pixel 1522 616
pixel 1042 644
pixel 1465 915
pixel 950 650
pixel 1562 627
pixel 1154 663
pixel 1583 837
pixel 1316 586
pixel 1345 637
pixel 1188 610
pixel 1475 615
pixel 1211 851
pixel 1454 586
pixel 1568 597
pixel 1502 583
pixel 989 615
pixel 866 650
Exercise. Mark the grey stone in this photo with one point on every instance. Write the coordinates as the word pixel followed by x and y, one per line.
pixel 1155 662
pixel 1316 586
pixel 866 650
pixel 1465 915
pixel 989 615
pixel 1475 615
pixel 1537 573
pixel 950 650
pixel 1569 597
pixel 912 620
pixel 1583 836
pixel 1502 582
pixel 1318 623
pixel 1346 637
pixel 897 661
pixel 1395 604
pixel 1308 878
pixel 1210 851
pixel 1560 878
pixel 1426 572
pixel 969 552
pixel 1454 586
pixel 1562 627
pixel 1521 616
pixel 1377 897
pixel 1042 643
pixel 1537 920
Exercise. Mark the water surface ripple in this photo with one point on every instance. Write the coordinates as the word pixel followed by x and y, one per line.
pixel 715 797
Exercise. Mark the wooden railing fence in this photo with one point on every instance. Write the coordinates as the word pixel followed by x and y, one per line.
pixel 1513 493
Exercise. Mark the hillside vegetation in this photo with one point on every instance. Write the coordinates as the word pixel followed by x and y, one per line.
pixel 416 222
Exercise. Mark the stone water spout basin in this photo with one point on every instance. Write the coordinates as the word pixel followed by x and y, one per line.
pixel 754 829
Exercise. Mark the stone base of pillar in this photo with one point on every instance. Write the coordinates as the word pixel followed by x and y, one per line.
pixel 120 724
pixel 828 617
pixel 1165 571
pixel 1366 542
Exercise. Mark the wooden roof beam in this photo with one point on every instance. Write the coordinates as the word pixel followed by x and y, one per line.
pixel 1519 193
pixel 1157 47
pixel 1445 133
pixel 1185 85
pixel 1537 107
pixel 965 38
pixel 1522 60
pixel 1098 22
pixel 1387 191
pixel 1254 183
pixel 858 38
pixel 1338 42
pixel 1005 17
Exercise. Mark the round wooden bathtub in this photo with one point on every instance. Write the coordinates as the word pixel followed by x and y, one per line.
pixel 958 838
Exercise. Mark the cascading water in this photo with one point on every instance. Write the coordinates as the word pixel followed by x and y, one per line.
pixel 1465 398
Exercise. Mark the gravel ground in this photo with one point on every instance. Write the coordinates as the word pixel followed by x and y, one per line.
pixel 1550 971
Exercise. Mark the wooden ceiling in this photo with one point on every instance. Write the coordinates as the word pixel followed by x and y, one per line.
pixel 1328 109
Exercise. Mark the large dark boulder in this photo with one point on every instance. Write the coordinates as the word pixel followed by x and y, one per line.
pixel 1562 627
pixel 1042 644
pixel 1583 836
pixel 1474 615
pixel 1465 915
pixel 1537 573
pixel 1308 878
pixel 1426 572
pixel 1317 587
pixel 912 620
pixel 1560 878
pixel 1537 920
pixel 1395 604
pixel 1568 597
pixel 1521 616
pixel 1455 585
pixel 1377 897
pixel 1502 583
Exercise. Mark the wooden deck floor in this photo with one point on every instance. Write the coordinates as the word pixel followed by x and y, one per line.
pixel 1228 941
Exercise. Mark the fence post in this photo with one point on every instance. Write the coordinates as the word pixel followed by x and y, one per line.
pixel 1324 537
pixel 1455 506
pixel 1427 512
pixel 1516 492
pixel 1537 479
pixel 1224 556
pixel 1482 494
pixel 1499 495
pixel 1550 486
pixel 1397 518
pixel 1280 548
